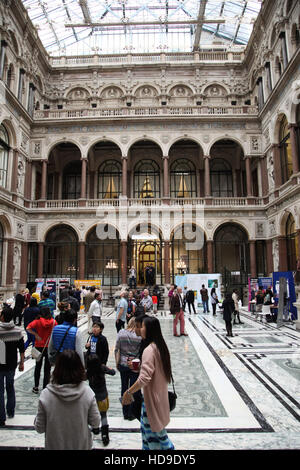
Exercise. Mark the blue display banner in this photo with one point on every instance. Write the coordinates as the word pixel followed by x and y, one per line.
pixel 291 293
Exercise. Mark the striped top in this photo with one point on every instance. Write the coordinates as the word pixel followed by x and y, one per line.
pixel 128 343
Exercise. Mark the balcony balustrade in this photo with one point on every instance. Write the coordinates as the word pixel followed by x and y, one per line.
pixel 211 202
pixel 123 112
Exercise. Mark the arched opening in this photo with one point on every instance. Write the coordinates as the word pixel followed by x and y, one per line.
pixel 103 245
pixel 292 247
pixel 227 169
pixel 109 180
pixel 183 179
pixel 61 253
pixel 186 174
pixel 231 249
pixel 105 171
pixel 63 173
pixel 144 170
pixel 146 180
pixel 221 178
pixel 4 151
pixel 188 248
pixel 285 150
pixel 298 130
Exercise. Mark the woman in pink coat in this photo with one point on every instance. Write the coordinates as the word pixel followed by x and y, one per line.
pixel 155 375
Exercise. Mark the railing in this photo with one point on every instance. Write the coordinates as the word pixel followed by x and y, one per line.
pixel 150 202
pixel 213 55
pixel 146 111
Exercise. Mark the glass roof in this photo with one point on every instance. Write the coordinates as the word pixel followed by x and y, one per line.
pixel 78 27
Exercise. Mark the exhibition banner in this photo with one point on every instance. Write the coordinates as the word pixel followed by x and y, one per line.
pixel 291 293
pixel 255 283
pixel 88 283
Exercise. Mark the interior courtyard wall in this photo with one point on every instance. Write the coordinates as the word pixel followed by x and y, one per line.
pixel 142 86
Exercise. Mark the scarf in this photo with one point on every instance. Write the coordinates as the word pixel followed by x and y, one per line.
pixel 8 333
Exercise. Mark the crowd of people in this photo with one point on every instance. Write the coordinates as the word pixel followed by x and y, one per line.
pixel 74 398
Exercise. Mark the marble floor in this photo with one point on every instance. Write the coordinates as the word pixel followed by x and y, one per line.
pixel 234 393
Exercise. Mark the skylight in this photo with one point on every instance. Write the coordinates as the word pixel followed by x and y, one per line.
pixel 79 27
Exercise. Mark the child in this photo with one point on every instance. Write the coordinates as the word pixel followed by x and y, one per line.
pixel 154 301
pixel 96 376
pixel 97 343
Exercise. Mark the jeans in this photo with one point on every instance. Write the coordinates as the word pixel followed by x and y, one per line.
pixel 30 339
pixel 38 367
pixel 7 376
pixel 205 306
pixel 128 378
pixel 193 306
pixel 132 280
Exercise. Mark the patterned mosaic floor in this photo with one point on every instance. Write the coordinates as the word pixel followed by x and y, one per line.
pixel 233 393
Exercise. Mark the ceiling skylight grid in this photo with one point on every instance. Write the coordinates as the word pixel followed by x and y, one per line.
pixel 76 27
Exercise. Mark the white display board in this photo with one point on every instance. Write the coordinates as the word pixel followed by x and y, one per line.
pixel 195 281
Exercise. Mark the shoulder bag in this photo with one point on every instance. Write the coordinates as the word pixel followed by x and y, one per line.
pixel 172 396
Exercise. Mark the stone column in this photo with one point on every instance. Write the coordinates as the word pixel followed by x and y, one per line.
pixel 269 249
pixel 252 258
pixel 83 178
pixel 10 262
pixel 248 176
pixel 40 268
pixel 293 138
pixel 282 248
pixel 207 187
pixel 277 166
pixel 81 271
pixel 166 191
pixel 44 180
pixel 264 176
pixel 167 262
pixel 14 175
pixel 124 175
pixel 124 270
pixel 28 182
pixel 24 264
pixel 210 261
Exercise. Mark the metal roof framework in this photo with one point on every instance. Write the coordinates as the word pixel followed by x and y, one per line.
pixel 78 27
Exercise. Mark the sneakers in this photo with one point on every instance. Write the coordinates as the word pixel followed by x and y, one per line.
pixel 35 390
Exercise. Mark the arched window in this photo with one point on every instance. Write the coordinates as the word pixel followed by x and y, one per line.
pixel 183 179
pixel 4 149
pixel 221 178
pixel 61 253
pixel 231 249
pixel 146 179
pixel 291 243
pixel 109 180
pixel 285 151
pixel 72 181
pixel 1 252
pixel 99 251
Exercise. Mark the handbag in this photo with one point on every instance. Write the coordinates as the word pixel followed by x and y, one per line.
pixel 172 396
pixel 53 354
pixel 35 353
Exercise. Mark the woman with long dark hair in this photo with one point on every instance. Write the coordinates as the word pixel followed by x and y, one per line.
pixel 155 375
pixel 67 407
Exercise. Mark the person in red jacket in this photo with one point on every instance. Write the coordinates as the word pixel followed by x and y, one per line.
pixel 42 328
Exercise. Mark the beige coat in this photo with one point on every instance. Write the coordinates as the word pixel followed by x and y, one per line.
pixel 155 389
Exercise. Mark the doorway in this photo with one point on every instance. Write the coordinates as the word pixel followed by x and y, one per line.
pixel 143 253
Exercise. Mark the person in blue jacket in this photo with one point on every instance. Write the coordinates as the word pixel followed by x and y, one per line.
pixel 72 339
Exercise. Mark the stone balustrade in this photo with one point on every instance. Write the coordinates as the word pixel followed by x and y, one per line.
pixel 211 202
pixel 145 111
pixel 209 55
